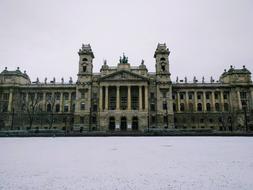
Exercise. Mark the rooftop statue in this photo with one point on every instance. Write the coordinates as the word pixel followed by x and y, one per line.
pixel 123 60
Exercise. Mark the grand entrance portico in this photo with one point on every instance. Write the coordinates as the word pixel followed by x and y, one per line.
pixel 123 95
pixel 120 97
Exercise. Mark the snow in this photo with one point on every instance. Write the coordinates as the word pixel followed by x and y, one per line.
pixel 185 163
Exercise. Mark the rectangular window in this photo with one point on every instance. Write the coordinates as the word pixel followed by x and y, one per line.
pixel 57 96
pixel 243 95
pixel 190 96
pixel 66 108
pixel 207 96
pixel 5 96
pixel 95 107
pixel 94 119
pixel 152 95
pixel 199 97
pixel 152 107
pixel 66 96
pixel 48 96
pixel 82 106
pixel 216 96
pixel 31 96
pixel 82 94
pixel 73 96
pixel 40 96
pixel 165 106
pixel 164 94
pixel 181 96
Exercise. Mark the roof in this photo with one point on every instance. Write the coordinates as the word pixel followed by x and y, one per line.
pixel 17 72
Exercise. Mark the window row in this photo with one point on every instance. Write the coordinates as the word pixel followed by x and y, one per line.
pixel 208 95
pixel 49 96
pixel 217 107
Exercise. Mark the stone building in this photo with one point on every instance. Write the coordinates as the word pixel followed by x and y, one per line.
pixel 127 98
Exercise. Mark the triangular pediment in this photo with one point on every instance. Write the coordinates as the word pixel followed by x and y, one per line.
pixel 123 75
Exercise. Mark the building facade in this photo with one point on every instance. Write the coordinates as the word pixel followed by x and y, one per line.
pixel 127 98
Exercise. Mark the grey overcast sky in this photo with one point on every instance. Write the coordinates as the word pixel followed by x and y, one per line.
pixel 204 36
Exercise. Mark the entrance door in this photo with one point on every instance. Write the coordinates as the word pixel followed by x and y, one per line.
pixel 135 124
pixel 123 124
pixel 112 124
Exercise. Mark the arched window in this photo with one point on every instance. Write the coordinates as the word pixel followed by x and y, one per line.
pixel 49 108
pixel 163 67
pixel 217 107
pixel 66 108
pixel 181 107
pixel 208 107
pixel 111 123
pixel 199 107
pixel 84 68
pixel 165 105
pixel 82 106
pixel 123 124
pixel 85 59
pixel 57 107
pixel 162 59
pixel 135 124
pixel 226 107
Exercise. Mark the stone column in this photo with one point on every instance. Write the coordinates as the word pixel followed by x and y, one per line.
pixel 61 102
pixel 178 101
pixel 129 97
pixel 118 98
pixel 27 97
pixel 204 101
pixel 239 100
pixel 195 101
pixel 43 101
pixel 10 101
pixel 186 101
pixel 140 97
pixel 106 97
pixel 70 102
pixel 36 96
pixel 146 98
pixel 213 101
pixel 101 98
pixel 222 101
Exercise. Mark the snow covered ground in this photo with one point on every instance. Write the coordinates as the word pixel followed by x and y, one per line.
pixel 192 163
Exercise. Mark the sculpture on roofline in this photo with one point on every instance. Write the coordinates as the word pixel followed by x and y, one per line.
pixel 123 59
